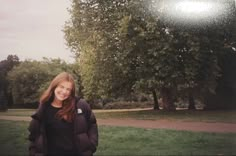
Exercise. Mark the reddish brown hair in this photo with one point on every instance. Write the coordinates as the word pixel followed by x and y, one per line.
pixel 68 105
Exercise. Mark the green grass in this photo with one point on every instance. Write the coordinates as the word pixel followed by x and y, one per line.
pixel 227 116
pixel 18 112
pixel 183 115
pixel 13 138
pixel 134 141
pixel 131 141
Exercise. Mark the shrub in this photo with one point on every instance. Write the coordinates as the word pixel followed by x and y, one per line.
pixel 127 105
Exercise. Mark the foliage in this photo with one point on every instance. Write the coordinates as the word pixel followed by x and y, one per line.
pixel 5 67
pixel 96 49
pixel 225 97
pixel 31 78
pixel 123 47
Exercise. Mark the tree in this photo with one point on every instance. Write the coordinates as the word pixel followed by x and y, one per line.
pixel 5 67
pixel 31 78
pixel 97 50
pixel 224 98
pixel 145 53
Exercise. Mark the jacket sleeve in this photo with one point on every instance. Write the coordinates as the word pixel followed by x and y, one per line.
pixel 33 133
pixel 92 124
pixel 93 131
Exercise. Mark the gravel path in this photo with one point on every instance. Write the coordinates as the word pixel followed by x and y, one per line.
pixel 156 124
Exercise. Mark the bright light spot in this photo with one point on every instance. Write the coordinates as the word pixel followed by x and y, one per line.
pixel 193 12
pixel 196 10
pixel 194 7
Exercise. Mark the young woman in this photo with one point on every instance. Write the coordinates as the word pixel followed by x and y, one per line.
pixel 63 124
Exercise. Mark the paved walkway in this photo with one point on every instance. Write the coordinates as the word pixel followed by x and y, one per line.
pixel 156 124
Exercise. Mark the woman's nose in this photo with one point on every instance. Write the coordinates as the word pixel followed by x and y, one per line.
pixel 64 90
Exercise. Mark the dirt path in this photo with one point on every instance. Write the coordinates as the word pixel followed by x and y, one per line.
pixel 176 125
pixel 157 124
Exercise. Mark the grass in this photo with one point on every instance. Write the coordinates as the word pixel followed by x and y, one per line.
pixel 18 112
pixel 13 138
pixel 183 115
pixel 227 116
pixel 135 141
pixel 131 141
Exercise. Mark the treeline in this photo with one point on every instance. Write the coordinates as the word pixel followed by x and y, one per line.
pixel 125 52
pixel 22 82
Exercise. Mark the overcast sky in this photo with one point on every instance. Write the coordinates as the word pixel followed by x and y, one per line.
pixel 32 29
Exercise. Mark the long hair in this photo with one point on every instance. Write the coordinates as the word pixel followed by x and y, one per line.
pixel 68 105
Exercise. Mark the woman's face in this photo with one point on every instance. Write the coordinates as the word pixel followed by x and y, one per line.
pixel 63 90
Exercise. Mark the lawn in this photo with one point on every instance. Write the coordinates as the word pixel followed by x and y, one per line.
pixel 131 141
pixel 18 112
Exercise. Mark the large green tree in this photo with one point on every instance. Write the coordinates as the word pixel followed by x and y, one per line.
pixel 121 47
pixel 93 36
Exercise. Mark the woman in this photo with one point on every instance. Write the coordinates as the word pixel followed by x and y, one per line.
pixel 63 124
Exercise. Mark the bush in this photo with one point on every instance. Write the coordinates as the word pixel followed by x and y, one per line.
pixel 98 105
pixel 32 105
pixel 127 105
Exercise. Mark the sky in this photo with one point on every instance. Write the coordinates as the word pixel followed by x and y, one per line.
pixel 32 29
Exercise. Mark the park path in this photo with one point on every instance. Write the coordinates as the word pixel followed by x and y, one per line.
pixel 155 124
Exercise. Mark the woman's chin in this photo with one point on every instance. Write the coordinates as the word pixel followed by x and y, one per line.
pixel 61 99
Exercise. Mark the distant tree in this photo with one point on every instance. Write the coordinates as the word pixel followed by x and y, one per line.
pixel 5 67
pixel 31 78
pixel 225 95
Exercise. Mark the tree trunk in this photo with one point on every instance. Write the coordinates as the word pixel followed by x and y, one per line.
pixel 3 101
pixel 156 105
pixel 191 101
pixel 9 100
pixel 167 99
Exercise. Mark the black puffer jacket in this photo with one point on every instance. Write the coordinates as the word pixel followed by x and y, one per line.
pixel 85 129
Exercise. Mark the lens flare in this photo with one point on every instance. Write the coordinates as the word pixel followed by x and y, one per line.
pixel 194 7
pixel 193 12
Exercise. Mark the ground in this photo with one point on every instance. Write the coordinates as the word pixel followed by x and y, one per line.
pixel 156 124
